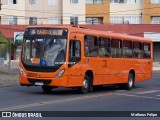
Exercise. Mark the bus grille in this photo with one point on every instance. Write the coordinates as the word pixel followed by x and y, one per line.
pixel 45 82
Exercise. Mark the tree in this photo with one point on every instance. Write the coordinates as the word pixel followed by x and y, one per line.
pixel 6 45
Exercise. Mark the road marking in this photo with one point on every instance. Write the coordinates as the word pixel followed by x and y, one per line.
pixel 148 92
pixel 53 102
pixel 127 90
pixel 137 96
pixel 121 91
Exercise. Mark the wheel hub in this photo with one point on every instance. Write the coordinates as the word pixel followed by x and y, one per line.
pixel 85 84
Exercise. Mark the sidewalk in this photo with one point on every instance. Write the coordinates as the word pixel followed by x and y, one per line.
pixel 9 78
pixel 14 67
pixel 156 66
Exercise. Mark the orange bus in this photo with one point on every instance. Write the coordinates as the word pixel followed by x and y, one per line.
pixel 77 57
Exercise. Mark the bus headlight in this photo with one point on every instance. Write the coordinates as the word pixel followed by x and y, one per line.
pixel 60 73
pixel 21 71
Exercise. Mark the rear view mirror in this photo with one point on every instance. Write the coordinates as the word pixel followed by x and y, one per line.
pixel 17 43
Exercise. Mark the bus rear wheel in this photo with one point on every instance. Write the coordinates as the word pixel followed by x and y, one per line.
pixel 47 89
pixel 130 83
pixel 86 86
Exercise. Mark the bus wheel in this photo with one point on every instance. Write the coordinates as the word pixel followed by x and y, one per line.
pixel 130 83
pixel 47 89
pixel 85 88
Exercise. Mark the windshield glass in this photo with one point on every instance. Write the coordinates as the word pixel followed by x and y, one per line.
pixel 44 50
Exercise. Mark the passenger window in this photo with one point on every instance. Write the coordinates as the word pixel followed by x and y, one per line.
pixel 147 51
pixel 104 47
pixel 116 48
pixel 91 46
pixel 137 50
pixel 127 49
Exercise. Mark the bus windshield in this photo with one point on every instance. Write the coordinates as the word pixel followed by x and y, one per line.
pixel 44 50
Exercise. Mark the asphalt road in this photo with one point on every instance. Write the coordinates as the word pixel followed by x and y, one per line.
pixel 144 97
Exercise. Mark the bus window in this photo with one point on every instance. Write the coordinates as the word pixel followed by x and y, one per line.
pixel 74 52
pixel 137 50
pixel 104 47
pixel 127 49
pixel 116 48
pixel 91 46
pixel 147 51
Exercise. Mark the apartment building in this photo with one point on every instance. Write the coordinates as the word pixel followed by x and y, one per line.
pixel 33 12
pixel 126 11
pixel 114 11
pixel 123 11
pixel 73 11
pixel 152 12
pixel 97 11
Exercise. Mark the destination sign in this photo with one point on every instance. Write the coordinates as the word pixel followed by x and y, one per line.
pixel 46 31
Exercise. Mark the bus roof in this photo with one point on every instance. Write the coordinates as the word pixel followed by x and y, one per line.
pixel 84 30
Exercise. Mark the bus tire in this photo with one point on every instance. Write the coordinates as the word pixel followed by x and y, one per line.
pixel 47 89
pixel 130 84
pixel 86 86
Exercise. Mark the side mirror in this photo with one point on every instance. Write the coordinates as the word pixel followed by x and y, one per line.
pixel 16 43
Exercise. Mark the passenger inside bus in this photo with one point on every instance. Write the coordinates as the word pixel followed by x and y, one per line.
pixel 55 52
pixel 50 50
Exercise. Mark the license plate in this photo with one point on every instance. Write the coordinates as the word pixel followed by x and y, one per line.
pixel 39 83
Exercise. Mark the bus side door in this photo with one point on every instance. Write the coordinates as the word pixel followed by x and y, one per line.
pixel 75 63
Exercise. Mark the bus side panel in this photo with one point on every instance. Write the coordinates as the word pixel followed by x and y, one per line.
pixel 76 75
pixel 120 68
pixel 138 68
pixel 117 71
pixel 97 68
pixel 106 69
pixel 61 82
pixel 125 69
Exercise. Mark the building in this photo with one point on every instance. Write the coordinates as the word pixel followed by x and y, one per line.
pixel 73 11
pixel 144 15
pixel 114 11
pixel 123 11
pixel 33 12
pixel 126 11
pixel 97 11
pixel 151 12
